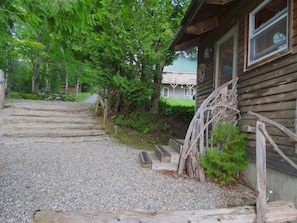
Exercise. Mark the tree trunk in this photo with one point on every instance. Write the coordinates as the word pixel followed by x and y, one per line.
pixel 8 77
pixel 35 75
pixel 156 95
pixel 66 83
pixel 79 72
pixel 2 89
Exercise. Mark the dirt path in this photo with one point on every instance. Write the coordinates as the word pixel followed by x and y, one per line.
pixel 42 121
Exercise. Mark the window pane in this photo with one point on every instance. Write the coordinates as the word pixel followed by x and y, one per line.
pixel 269 11
pixel 272 39
pixel 226 61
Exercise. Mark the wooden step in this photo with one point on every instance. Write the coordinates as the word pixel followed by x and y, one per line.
pixel 158 165
pixel 145 160
pixel 176 144
pixel 162 154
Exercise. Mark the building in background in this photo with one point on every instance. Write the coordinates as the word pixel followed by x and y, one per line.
pixel 179 79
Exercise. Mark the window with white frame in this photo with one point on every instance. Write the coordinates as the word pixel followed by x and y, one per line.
pixel 268 30
pixel 166 92
pixel 186 91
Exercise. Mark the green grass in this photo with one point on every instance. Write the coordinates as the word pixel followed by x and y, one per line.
pixel 179 102
pixel 82 96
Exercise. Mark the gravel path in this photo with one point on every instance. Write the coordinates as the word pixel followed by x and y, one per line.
pixel 98 174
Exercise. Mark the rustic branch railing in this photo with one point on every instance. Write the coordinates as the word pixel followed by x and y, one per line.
pixel 261 136
pixel 220 104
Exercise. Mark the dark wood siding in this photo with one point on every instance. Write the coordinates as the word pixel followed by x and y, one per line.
pixel 269 89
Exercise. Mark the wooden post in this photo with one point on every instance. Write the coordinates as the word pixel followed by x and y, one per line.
pixel 2 89
pixel 261 173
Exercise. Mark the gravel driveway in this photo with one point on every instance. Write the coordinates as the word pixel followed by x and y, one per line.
pixel 66 174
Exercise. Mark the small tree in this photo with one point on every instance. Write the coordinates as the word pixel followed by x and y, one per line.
pixel 229 156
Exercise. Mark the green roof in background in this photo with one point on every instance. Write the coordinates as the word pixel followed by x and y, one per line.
pixel 182 64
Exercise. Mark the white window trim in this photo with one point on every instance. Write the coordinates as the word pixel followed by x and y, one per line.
pixel 232 32
pixel 254 32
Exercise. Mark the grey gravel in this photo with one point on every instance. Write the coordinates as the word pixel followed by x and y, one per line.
pixel 101 175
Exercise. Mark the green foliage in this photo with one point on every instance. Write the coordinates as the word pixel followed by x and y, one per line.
pixel 230 157
pixel 90 41
pixel 144 122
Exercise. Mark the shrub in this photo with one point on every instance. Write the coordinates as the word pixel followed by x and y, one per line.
pixel 229 157
pixel 144 122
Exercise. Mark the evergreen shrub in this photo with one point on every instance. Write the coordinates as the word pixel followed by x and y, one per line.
pixel 228 157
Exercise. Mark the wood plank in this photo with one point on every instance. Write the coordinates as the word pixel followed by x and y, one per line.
pixel 278 211
pixel 275 91
pixel 203 26
pixel 269 107
pixel 188 44
pixel 282 167
pixel 268 71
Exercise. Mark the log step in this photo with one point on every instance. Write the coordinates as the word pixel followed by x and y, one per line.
pixel 279 211
pixel 162 154
pixel 145 160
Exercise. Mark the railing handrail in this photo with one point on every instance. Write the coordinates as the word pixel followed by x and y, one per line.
pixel 285 130
pixel 194 134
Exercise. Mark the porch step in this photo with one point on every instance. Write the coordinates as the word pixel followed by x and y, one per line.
pixel 145 160
pixel 162 153
pixel 176 144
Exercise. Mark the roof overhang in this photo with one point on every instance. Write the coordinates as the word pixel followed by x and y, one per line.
pixel 202 16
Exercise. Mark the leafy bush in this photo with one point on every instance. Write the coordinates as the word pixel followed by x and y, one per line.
pixel 68 97
pixel 15 95
pixel 229 157
pixel 144 122
pixel 31 96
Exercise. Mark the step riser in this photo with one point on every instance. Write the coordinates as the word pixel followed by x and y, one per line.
pixel 176 144
pixel 162 154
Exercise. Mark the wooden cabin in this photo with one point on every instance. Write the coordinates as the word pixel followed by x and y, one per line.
pixel 256 42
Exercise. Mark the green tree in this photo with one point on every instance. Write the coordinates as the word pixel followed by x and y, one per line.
pixel 130 45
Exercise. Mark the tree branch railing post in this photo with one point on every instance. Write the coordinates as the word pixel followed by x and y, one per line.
pixel 261 136
pixel 261 172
